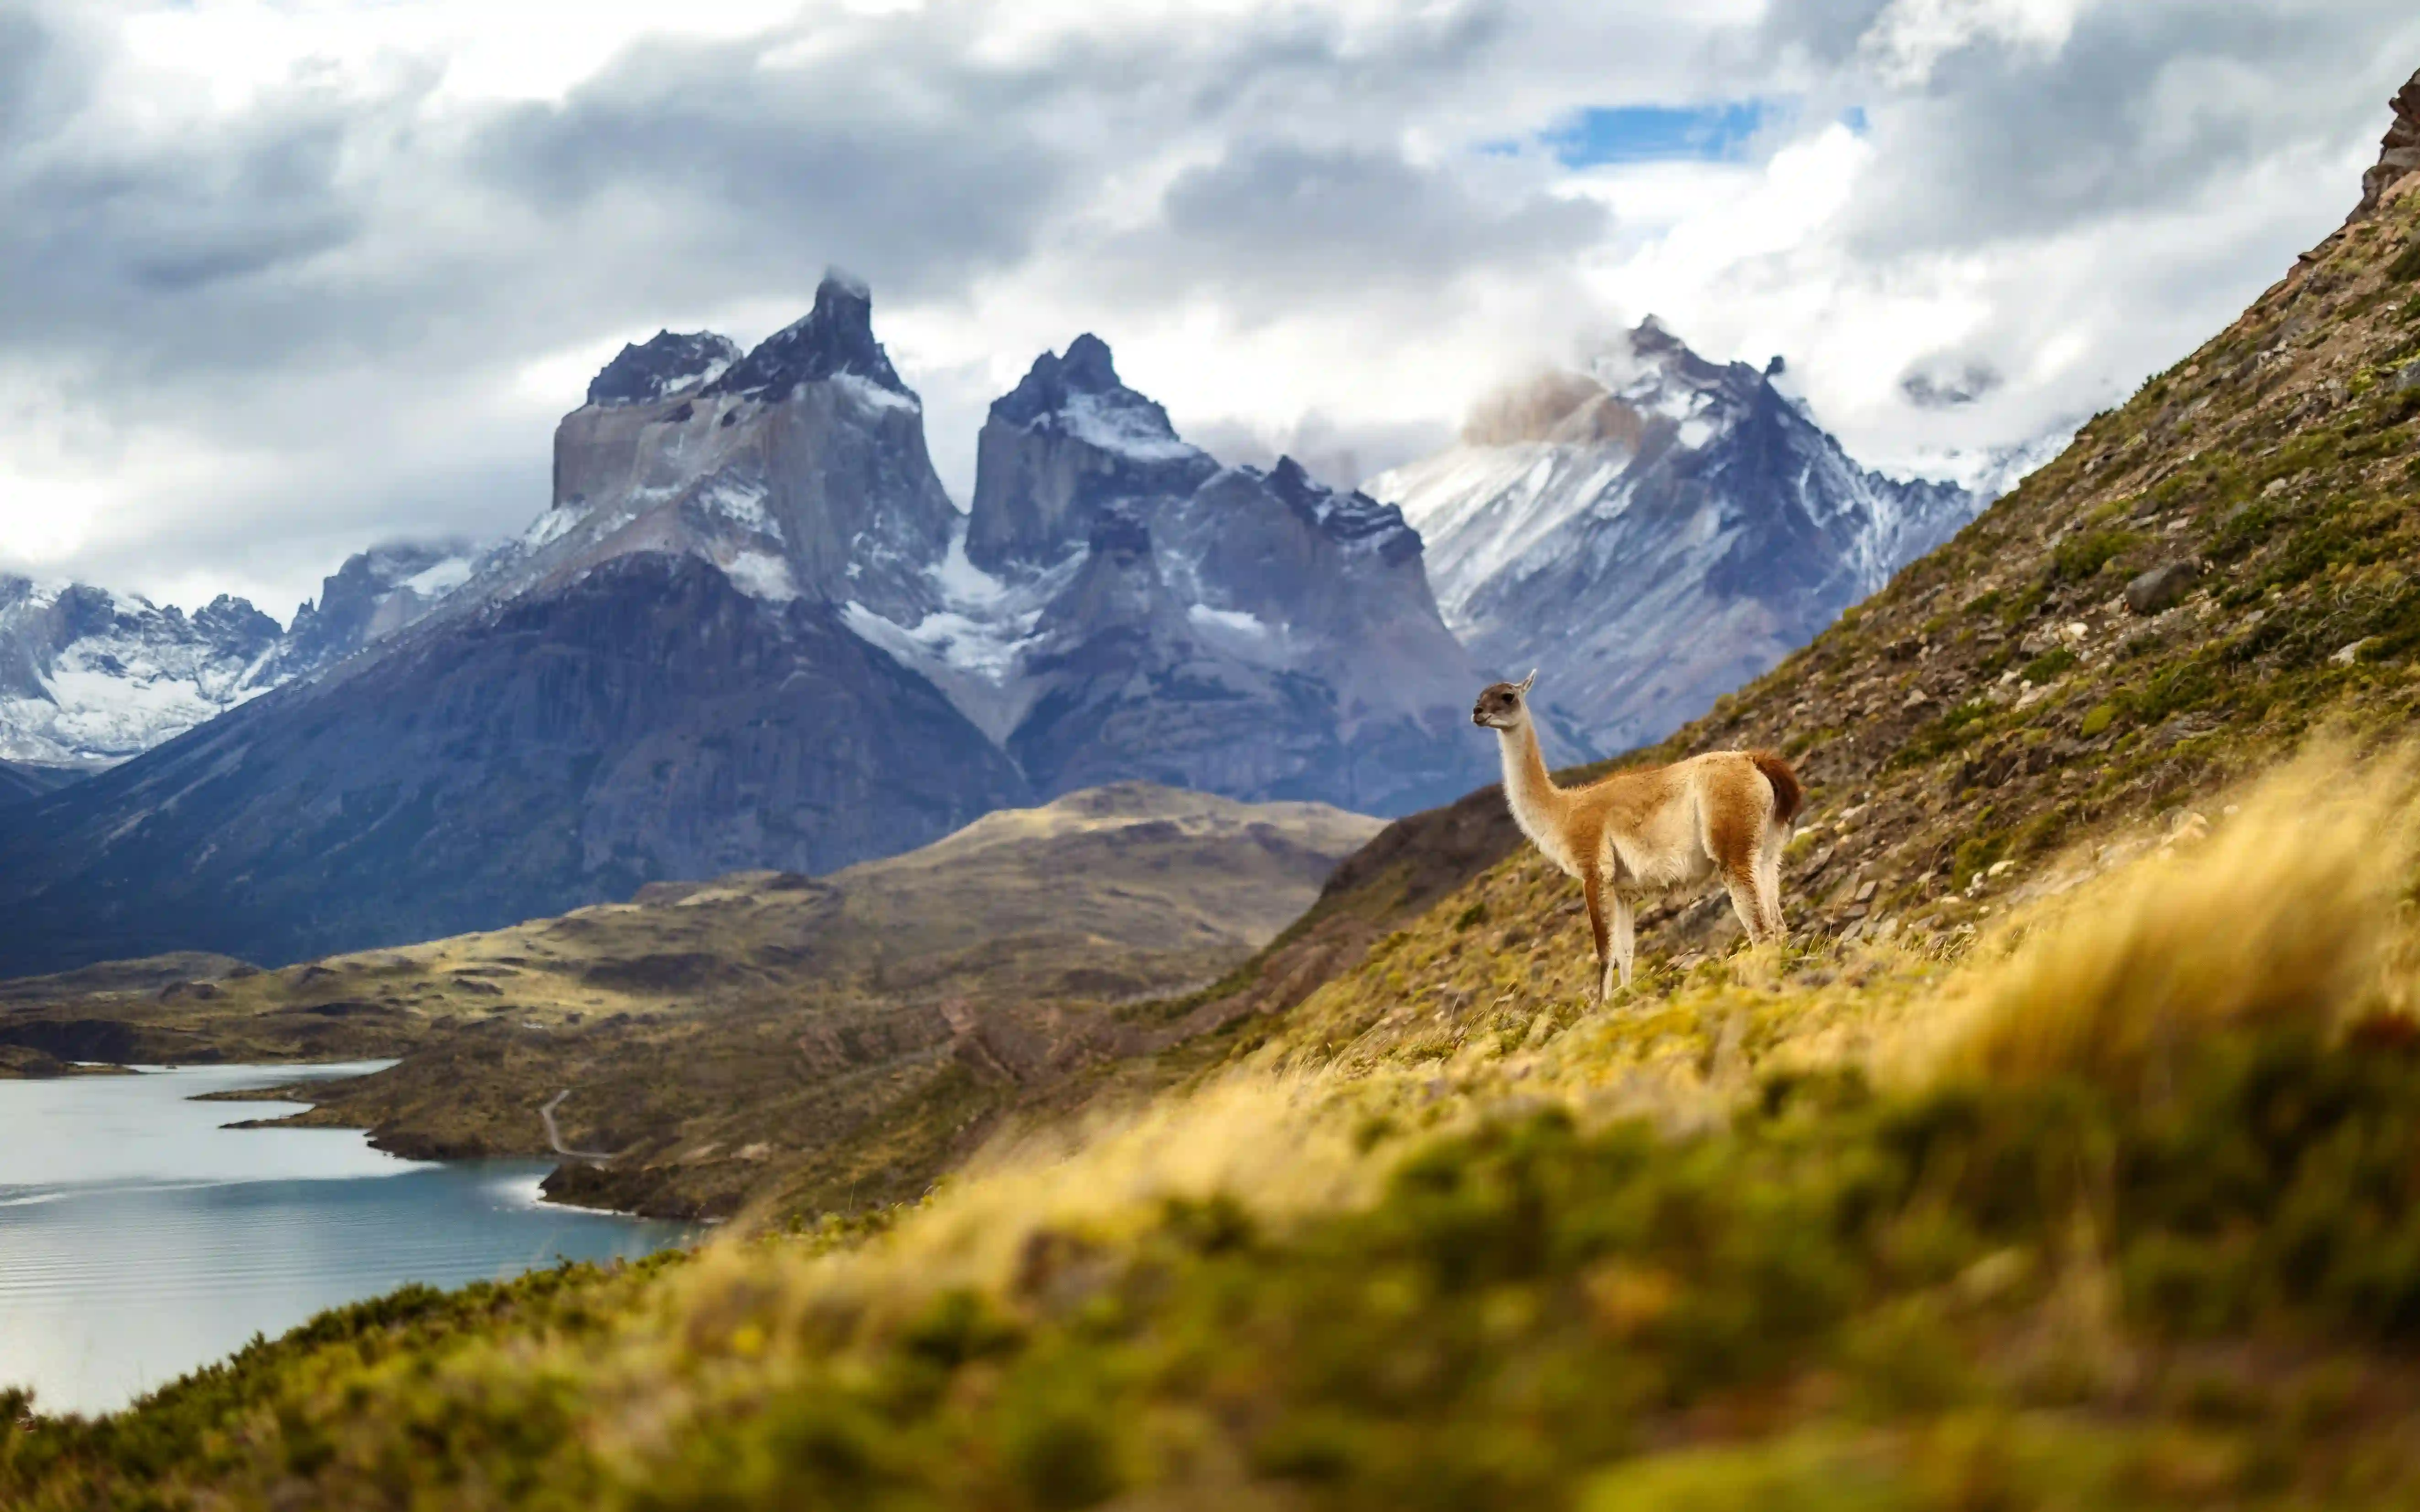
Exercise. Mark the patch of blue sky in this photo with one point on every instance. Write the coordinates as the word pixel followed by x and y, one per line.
pixel 1724 132
pixel 1659 133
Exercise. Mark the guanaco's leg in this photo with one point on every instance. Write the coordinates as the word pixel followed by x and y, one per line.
pixel 1592 885
pixel 1768 879
pixel 1733 837
pixel 1741 882
pixel 1624 941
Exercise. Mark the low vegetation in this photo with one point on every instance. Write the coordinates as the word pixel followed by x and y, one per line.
pixel 2119 1211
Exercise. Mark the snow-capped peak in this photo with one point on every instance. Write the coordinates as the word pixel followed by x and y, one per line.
pixel 1079 394
pixel 668 363
pixel 834 338
pixel 90 677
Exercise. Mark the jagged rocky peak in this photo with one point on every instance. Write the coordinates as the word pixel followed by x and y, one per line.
pixel 1651 531
pixel 1069 392
pixel 374 594
pixel 1349 517
pixel 666 365
pixel 2399 154
pixel 800 471
pixel 836 337
pixel 1061 449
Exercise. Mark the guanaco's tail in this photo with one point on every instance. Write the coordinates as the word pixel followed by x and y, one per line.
pixel 1787 792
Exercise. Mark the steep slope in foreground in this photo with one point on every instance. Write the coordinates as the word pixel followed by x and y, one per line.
pixel 1653 533
pixel 2119 1212
pixel 810 1041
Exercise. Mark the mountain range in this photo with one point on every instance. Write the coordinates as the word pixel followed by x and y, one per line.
pixel 1653 532
pixel 752 630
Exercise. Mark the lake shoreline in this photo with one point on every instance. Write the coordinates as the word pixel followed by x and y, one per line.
pixel 409 1145
pixel 131 1260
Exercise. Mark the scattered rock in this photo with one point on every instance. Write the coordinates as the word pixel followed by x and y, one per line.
pixel 2408 376
pixel 2161 588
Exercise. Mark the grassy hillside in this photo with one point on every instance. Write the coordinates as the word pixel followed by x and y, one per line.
pixel 2070 1158
pixel 812 1043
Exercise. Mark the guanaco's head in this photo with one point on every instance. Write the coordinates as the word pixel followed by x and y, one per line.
pixel 1503 705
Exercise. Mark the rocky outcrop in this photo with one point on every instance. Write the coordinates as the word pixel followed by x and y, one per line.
pixel 2400 153
pixel 665 366
pixel 649 720
pixel 800 470
pixel 1062 451
pixel 1129 609
pixel 374 595
pixel 1653 533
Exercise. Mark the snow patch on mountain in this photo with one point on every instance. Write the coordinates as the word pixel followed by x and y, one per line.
pixel 1653 533
pixel 1128 429
pixel 88 677
pixel 762 575
pixel 739 501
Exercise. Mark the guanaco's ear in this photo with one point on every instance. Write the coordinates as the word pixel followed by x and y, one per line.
pixel 1527 681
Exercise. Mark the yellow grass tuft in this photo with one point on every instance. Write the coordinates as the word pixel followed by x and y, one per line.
pixel 2282 914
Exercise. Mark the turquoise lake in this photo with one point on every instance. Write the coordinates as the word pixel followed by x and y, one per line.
pixel 140 1239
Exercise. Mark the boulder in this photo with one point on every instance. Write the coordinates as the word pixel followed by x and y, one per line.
pixel 2161 588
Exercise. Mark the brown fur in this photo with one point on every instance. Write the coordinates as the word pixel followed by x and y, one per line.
pixel 1724 815
pixel 1788 795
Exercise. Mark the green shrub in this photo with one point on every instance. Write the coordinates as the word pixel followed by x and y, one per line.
pixel 2086 553
pixel 2047 666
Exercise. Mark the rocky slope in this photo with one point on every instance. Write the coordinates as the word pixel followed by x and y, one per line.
pixel 1652 534
pixel 21 780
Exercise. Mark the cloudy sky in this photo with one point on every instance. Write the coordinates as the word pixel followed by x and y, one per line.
pixel 283 278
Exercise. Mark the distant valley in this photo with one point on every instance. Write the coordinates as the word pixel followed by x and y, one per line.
pixel 763 1035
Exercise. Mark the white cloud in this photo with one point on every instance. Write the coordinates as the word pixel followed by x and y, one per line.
pixel 279 278
pixel 1911 37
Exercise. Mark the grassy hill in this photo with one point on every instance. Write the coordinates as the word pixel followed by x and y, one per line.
pixel 2069 1159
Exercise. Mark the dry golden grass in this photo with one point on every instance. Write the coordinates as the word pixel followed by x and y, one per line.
pixel 2284 911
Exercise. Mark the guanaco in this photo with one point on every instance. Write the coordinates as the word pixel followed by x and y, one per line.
pixel 1650 828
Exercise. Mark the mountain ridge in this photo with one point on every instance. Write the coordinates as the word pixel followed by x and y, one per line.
pixel 1654 532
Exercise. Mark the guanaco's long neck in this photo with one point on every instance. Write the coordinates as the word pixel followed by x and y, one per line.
pixel 1537 804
